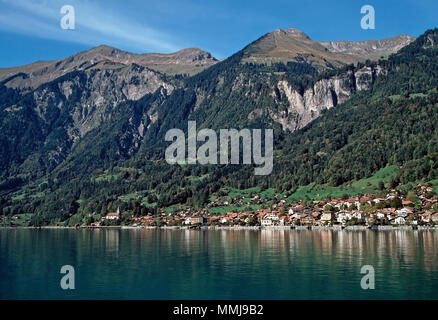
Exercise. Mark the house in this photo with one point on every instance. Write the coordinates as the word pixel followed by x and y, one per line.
pixel 283 220
pixel 113 215
pixel 307 219
pixel 266 222
pixel 194 220
pixel 224 220
pixel 307 211
pixel 357 215
pixel 398 220
pixel 404 212
pixel 426 216
pixel 335 204
pixel 380 215
pixel 352 201
pixel 197 220
pixel 296 209
pixel 272 217
pixel 341 217
pixel 296 216
pixel 327 217
pixel 316 214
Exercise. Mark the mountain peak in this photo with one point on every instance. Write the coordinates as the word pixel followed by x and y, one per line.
pixel 296 33
pixel 291 33
pixel 105 50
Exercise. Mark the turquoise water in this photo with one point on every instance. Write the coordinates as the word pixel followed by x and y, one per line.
pixel 192 264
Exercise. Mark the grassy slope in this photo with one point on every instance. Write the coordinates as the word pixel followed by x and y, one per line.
pixel 367 185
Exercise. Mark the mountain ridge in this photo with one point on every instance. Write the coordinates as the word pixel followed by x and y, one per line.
pixel 278 46
pixel 384 47
pixel 190 61
pixel 294 45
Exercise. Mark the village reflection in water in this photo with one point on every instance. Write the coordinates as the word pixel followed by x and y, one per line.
pixel 400 246
pixel 221 264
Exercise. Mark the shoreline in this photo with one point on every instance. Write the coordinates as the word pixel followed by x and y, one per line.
pixel 237 228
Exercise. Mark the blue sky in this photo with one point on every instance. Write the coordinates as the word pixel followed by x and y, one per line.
pixel 30 29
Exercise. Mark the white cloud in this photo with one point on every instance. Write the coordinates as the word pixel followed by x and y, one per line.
pixel 94 25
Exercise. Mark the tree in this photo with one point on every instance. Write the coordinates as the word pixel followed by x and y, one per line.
pixel 381 185
pixel 396 203
pixel 430 194
pixel 412 196
pixel 252 221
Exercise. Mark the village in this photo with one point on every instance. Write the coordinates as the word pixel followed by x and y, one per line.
pixel 365 211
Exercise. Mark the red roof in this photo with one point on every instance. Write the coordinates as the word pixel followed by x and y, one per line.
pixel 113 214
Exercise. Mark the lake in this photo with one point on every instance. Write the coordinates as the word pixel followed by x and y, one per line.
pixel 218 264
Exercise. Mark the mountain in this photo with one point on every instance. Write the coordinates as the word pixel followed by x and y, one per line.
pixel 186 61
pixel 370 49
pixel 40 127
pixel 393 123
pixel 93 139
pixel 294 45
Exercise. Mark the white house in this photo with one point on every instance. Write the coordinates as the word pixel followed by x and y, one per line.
pixel 398 220
pixel 341 217
pixel 380 215
pixel 272 217
pixel 113 215
pixel 194 220
pixel 403 212
pixel 357 215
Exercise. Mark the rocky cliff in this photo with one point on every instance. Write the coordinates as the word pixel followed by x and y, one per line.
pixel 324 94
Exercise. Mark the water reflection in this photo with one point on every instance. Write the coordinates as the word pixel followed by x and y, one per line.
pixel 222 264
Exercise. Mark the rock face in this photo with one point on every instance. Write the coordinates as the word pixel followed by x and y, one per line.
pixel 324 94
pixel 366 76
pixel 64 111
pixel 89 97
pixel 372 49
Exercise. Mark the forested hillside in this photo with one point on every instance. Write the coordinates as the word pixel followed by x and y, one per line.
pixel 360 119
pixel 393 123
